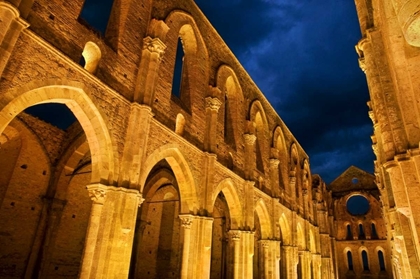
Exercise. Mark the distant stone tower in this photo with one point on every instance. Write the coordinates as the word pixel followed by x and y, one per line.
pixel 361 244
pixel 389 54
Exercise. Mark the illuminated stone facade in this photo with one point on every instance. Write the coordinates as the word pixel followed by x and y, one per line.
pixel 389 55
pixel 206 182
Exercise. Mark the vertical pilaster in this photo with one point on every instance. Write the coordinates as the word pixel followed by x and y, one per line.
pixel 271 258
pixel 11 25
pixel 196 253
pixel 212 108
pixel 112 222
pixel 274 177
pixel 243 251
pixel 316 266
pixel 289 262
pixel 135 145
pixel 153 50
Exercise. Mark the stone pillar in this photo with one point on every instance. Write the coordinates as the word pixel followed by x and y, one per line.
pixel 212 108
pixel 243 251
pixel 196 253
pixel 274 177
pixel 291 195
pixel 271 258
pixel 289 262
pixel 316 266
pixel 11 25
pixel 135 142
pixel 153 50
pixel 250 163
pixel 110 232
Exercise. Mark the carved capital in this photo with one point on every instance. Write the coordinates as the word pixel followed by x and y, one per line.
pixel 250 139
pixel 186 221
pixel 213 104
pixel 97 193
pixel 274 162
pixel 154 45
pixel 235 235
pixel 362 64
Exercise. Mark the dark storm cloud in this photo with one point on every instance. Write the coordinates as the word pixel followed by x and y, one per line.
pixel 301 54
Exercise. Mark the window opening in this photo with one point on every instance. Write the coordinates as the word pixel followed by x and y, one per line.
pixel 95 14
pixel 349 233
pixel 349 260
pixel 365 261
pixel 381 260
pixel 374 233
pixel 178 70
pixel 361 232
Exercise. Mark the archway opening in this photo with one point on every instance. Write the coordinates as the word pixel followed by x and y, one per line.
pixel 157 249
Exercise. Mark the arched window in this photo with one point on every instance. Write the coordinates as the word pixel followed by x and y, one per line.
pixel 361 232
pixel 381 260
pixel 349 233
pixel 365 261
pixel 349 260
pixel 374 233
pixel 178 70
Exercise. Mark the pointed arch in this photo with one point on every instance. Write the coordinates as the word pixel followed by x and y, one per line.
pixel 227 187
pixel 259 120
pixel 279 145
pixel 182 172
pixel 285 233
pixel 78 100
pixel 227 82
pixel 182 26
pixel 265 220
pixel 300 241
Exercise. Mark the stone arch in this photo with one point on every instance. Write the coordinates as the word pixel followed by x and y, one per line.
pixel 312 242
pixel 182 172
pixel 227 187
pixel 300 237
pixel 182 25
pixel 104 169
pixel 264 216
pixel 260 124
pixel 227 82
pixel 279 144
pixel 285 233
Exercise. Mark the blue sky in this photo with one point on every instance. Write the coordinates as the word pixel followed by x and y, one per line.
pixel 301 55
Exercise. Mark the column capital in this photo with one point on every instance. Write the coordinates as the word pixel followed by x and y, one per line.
pixel 274 162
pixel 235 235
pixel 97 192
pixel 249 139
pixel 213 103
pixel 154 45
pixel 186 220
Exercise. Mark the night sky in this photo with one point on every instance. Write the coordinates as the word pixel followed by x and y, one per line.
pixel 301 55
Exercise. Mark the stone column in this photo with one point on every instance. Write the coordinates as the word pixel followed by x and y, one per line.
pixel 250 163
pixel 271 258
pixel 316 266
pixel 243 251
pixel 289 262
pixel 110 232
pixel 291 193
pixel 136 138
pixel 153 50
pixel 196 253
pixel 11 25
pixel 212 109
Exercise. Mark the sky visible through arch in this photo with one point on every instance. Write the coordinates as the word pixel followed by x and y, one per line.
pixel 301 55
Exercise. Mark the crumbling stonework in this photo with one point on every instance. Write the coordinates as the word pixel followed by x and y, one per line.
pixel 389 55
pixel 148 184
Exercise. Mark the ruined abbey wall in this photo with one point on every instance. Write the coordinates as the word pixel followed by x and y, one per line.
pixel 206 182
